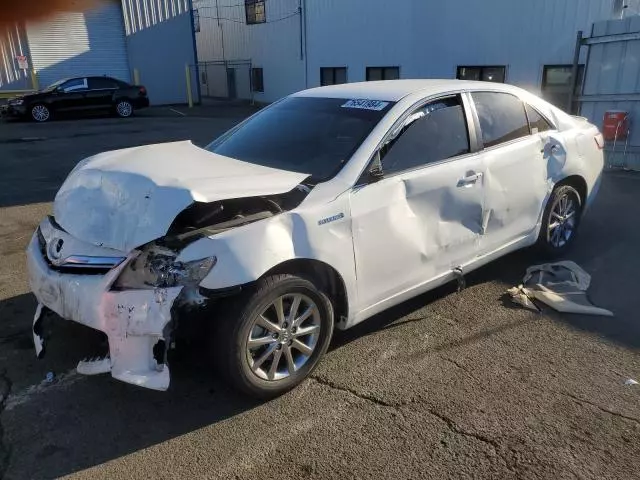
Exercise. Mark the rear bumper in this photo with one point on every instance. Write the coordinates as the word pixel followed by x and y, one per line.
pixel 134 321
pixel 141 102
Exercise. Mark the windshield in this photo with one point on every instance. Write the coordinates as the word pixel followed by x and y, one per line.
pixel 306 135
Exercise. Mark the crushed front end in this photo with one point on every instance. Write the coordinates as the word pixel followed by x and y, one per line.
pixel 129 297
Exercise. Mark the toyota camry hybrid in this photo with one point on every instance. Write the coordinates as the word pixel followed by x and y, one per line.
pixel 316 213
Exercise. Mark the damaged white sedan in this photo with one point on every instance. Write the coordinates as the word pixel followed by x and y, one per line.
pixel 320 211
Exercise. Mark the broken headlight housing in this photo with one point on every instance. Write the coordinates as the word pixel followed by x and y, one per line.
pixel 157 267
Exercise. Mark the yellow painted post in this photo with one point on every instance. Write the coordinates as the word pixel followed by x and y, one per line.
pixel 136 77
pixel 189 94
pixel 34 80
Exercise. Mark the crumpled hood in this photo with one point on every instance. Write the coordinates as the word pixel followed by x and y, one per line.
pixel 126 198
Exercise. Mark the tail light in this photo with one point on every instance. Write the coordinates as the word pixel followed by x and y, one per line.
pixel 599 141
pixel 143 91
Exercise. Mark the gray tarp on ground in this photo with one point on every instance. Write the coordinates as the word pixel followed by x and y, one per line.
pixel 562 286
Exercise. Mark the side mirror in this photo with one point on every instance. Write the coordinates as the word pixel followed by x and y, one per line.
pixel 375 170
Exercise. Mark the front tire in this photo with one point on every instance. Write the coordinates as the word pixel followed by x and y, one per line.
pixel 272 336
pixel 40 113
pixel 124 108
pixel 560 221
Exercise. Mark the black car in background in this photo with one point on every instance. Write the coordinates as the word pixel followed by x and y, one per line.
pixel 79 95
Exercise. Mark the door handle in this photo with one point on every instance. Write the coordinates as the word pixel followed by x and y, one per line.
pixel 469 179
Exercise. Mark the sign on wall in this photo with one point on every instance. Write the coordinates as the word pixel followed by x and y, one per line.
pixel 23 63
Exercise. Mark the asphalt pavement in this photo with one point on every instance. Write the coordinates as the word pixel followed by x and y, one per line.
pixel 448 385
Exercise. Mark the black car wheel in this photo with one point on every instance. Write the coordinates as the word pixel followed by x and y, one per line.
pixel 560 221
pixel 124 108
pixel 270 337
pixel 40 113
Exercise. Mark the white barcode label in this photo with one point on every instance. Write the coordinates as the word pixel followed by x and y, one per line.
pixel 363 104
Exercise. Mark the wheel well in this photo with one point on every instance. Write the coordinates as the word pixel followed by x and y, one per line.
pixel 327 276
pixel 577 182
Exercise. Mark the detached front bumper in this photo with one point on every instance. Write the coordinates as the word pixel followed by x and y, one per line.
pixel 134 321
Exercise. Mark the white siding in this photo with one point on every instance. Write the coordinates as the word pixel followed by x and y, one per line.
pixel 424 38
pixel 430 39
pixel 79 43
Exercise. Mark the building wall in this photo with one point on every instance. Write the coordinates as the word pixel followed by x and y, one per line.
pixel 71 44
pixel 13 42
pixel 430 39
pixel 160 44
pixel 424 38
pixel 275 46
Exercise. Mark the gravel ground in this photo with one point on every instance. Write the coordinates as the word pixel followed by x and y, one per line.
pixel 448 385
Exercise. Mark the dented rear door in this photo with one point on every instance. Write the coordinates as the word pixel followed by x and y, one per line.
pixel 516 169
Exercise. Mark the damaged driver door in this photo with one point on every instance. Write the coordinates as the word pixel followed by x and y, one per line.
pixel 417 211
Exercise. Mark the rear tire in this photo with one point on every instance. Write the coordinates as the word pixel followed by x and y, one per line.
pixel 560 221
pixel 124 108
pixel 264 351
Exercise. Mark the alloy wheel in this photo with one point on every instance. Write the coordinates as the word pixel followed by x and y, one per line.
pixel 283 337
pixel 124 109
pixel 40 113
pixel 562 220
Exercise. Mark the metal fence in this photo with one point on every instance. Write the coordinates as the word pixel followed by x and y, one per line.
pixel 612 82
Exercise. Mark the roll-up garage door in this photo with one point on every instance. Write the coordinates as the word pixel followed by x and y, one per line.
pixel 80 43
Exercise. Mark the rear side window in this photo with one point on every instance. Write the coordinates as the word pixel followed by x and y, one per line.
pixel 537 122
pixel 102 83
pixel 432 133
pixel 502 117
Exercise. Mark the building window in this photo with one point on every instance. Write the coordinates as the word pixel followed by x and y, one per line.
pixel 556 84
pixel 333 75
pixel 196 20
pixel 383 73
pixel 254 10
pixel 483 73
pixel 257 80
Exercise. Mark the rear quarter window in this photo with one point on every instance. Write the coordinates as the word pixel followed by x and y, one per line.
pixel 537 122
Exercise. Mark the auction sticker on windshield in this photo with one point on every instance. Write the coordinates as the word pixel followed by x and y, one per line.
pixel 363 104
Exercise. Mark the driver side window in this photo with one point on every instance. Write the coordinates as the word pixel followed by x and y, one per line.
pixel 434 132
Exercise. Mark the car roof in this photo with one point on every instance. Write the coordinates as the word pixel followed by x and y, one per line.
pixel 395 90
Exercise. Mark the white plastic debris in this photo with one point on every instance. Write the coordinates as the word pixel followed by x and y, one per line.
pixel 94 366
pixel 562 286
pixel 630 381
pixel 50 377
